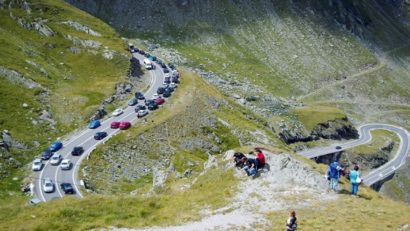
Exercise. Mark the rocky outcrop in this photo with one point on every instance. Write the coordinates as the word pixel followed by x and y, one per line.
pixel 83 42
pixel 15 77
pixel 40 26
pixel 8 142
pixel 135 70
pixel 78 26
pixel 333 129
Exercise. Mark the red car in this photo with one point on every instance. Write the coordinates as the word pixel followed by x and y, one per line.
pixel 115 124
pixel 125 125
pixel 159 100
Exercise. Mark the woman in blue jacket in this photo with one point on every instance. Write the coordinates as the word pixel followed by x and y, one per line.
pixel 355 180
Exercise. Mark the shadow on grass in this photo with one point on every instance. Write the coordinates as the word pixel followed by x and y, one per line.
pixel 347 192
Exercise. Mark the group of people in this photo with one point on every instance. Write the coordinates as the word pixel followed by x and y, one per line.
pixel 250 165
pixel 335 171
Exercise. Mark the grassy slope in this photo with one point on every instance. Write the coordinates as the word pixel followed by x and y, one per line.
pixel 380 137
pixel 124 211
pixel 76 82
pixel 168 127
pixel 90 77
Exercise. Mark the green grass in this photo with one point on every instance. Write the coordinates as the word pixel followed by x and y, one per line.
pixel 76 83
pixel 212 190
pixel 380 137
pixel 312 116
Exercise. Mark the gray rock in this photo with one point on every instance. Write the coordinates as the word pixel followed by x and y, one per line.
pixel 15 77
pixel 75 50
pixel 10 142
pixel 211 162
pixel 80 27
pixel 236 96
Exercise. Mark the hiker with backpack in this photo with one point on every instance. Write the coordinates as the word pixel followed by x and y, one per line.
pixel 291 224
pixel 260 158
pixel 355 180
pixel 333 172
pixel 238 159
pixel 250 166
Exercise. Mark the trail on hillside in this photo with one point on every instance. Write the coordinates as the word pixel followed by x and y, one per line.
pixel 348 78
pixel 287 184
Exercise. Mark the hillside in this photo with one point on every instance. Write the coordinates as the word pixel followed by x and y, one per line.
pixel 57 65
pixel 281 75
pixel 298 64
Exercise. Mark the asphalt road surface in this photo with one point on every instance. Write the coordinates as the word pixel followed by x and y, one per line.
pixel 85 138
pixel 381 172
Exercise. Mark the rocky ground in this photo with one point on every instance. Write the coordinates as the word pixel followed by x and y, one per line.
pixel 286 184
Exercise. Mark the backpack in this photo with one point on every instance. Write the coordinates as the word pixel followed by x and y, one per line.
pixel 333 170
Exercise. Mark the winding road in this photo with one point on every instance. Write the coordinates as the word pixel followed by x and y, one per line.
pixel 365 136
pixel 85 138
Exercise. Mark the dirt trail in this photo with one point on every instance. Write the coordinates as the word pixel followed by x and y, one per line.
pixel 348 78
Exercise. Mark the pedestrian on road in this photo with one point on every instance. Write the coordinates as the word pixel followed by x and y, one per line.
pixel 333 172
pixel 291 224
pixel 355 180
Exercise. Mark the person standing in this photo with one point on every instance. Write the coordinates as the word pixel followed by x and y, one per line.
pixel 291 224
pixel 333 172
pixel 355 180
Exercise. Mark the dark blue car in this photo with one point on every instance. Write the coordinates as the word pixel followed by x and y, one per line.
pixel 94 124
pixel 100 135
pixel 55 146
pixel 46 155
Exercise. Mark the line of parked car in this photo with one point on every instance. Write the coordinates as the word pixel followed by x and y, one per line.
pixel 169 85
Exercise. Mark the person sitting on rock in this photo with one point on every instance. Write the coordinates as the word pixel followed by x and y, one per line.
pixel 250 166
pixel 260 158
pixel 237 157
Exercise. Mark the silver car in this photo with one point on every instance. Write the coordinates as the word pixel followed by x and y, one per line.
pixel 48 185
pixel 66 164
pixel 142 113
pixel 37 165
pixel 55 159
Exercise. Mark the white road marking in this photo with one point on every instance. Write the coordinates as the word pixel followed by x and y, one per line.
pixel 76 138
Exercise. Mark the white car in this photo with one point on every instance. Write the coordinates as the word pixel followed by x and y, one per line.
pixel 37 165
pixel 167 75
pixel 155 96
pixel 65 164
pixel 55 159
pixel 117 112
pixel 173 85
pixel 48 185
pixel 142 113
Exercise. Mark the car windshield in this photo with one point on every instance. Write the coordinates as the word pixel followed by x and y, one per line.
pixel 48 184
pixel 37 163
pixel 55 157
